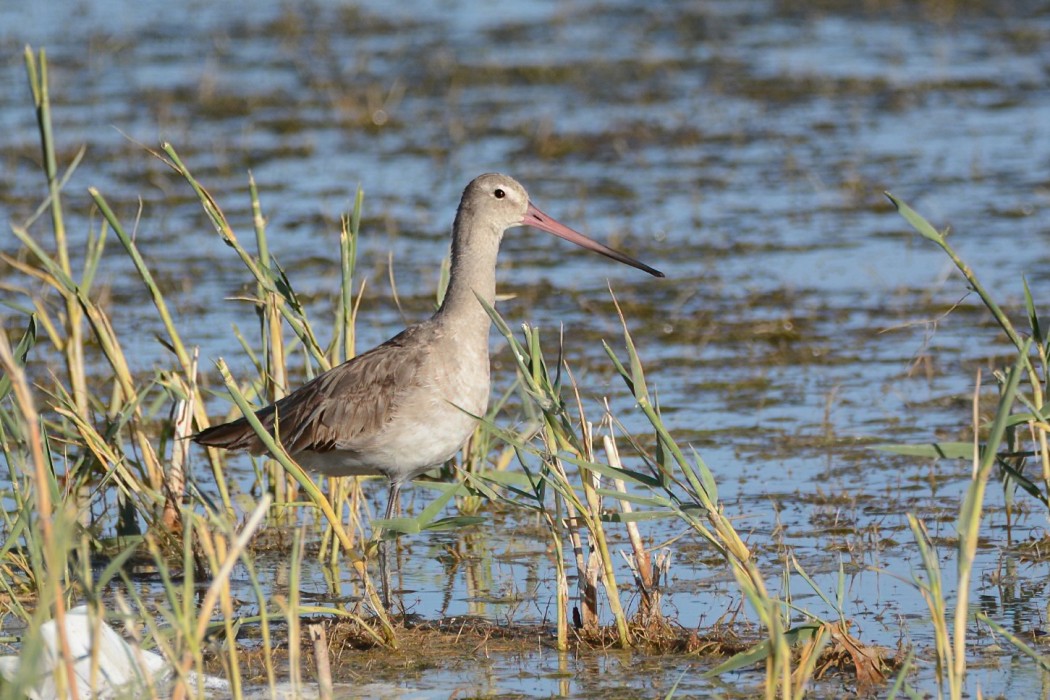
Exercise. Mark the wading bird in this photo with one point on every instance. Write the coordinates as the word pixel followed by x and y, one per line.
pixel 409 404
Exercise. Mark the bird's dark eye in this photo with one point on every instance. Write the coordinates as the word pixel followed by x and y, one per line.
pixel 499 193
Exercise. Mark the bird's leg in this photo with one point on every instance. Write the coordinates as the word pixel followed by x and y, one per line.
pixel 391 510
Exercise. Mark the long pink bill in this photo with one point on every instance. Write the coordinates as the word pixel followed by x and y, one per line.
pixel 537 219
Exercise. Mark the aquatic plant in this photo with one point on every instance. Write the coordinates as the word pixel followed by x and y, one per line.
pixel 999 447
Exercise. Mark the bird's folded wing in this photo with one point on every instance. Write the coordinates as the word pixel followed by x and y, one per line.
pixel 340 409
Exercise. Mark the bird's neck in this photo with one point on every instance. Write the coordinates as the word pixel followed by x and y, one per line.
pixel 472 276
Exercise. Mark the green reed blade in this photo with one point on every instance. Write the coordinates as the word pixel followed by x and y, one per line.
pixel 43 207
pixel 1025 483
pixel 455 522
pixel 654 501
pixel 761 651
pixel 934 450
pixel 630 475
pixel 925 229
pixel 147 278
pixel 261 274
pixel 707 478
pixel 618 366
pixel 1033 315
pixel 1017 642
pixel 900 682
pixel 20 352
pixel 96 245
pixel 426 519
pixel 348 238
pixel 64 282
pixel 970 512
pixel 638 516
pixel 797 565
pixel 1033 415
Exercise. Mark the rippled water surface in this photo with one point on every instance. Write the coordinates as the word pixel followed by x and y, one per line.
pixel 741 147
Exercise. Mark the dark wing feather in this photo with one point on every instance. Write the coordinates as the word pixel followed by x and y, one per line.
pixel 346 405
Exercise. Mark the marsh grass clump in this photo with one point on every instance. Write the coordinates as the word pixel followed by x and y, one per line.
pixel 569 485
pixel 1014 435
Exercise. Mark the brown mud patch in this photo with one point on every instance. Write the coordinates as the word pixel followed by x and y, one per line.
pixel 444 645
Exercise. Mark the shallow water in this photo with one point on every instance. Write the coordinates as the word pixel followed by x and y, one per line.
pixel 740 147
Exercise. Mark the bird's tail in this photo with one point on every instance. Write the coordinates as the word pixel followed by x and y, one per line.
pixel 235 435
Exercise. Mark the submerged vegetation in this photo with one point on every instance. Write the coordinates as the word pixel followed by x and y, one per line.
pixel 100 509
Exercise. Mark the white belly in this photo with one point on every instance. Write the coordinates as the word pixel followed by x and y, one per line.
pixel 429 427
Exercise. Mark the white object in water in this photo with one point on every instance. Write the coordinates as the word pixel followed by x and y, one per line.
pixel 104 665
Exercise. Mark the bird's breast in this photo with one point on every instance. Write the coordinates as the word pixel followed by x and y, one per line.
pixel 437 415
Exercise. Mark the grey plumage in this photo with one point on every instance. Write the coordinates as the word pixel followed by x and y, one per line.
pixel 410 403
